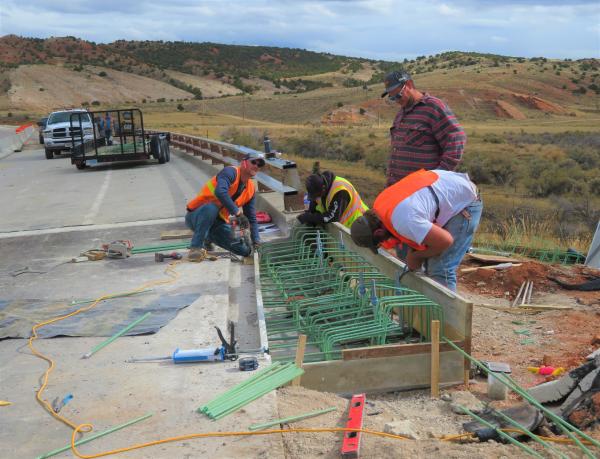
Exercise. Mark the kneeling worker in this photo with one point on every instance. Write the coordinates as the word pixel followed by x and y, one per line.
pixel 434 212
pixel 332 199
pixel 224 195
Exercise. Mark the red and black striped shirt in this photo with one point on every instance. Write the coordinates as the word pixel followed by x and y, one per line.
pixel 425 136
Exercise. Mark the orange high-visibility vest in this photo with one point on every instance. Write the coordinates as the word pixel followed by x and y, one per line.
pixel 389 198
pixel 356 207
pixel 207 194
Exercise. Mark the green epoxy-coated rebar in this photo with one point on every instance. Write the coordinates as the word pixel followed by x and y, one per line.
pixel 159 248
pixel 567 428
pixel 299 417
pixel 530 434
pixel 260 384
pixel 250 393
pixel 94 436
pixel 116 335
pixel 502 434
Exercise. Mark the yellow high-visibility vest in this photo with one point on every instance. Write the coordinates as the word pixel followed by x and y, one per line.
pixel 356 207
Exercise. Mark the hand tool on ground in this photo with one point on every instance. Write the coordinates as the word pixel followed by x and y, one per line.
pixel 58 404
pixel 227 351
pixel 547 371
pixel 248 364
pixel 118 249
pixel 94 254
pixel 160 257
pixel 240 228
pixel 351 441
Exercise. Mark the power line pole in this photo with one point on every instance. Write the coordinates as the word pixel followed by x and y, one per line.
pixel 243 106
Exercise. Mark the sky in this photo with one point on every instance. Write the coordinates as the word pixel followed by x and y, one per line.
pixel 376 29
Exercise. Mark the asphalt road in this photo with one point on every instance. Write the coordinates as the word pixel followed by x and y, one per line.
pixel 41 194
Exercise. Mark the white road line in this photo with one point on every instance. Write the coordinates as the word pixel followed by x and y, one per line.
pixel 89 218
pixel 66 229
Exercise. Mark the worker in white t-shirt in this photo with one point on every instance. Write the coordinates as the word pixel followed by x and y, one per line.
pixel 433 213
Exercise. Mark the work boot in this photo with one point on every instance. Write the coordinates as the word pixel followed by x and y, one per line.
pixel 209 246
pixel 197 254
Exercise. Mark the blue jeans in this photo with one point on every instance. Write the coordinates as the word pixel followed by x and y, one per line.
pixel 442 268
pixel 206 224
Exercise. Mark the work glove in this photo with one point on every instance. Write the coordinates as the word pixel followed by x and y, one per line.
pixel 303 217
pixel 256 245
pixel 310 218
pixel 244 222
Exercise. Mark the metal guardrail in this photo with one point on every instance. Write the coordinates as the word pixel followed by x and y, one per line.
pixel 278 175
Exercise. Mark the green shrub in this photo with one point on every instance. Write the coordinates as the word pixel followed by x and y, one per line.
pixel 377 158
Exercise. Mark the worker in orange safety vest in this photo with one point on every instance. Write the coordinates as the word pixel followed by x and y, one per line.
pixel 435 213
pixel 229 193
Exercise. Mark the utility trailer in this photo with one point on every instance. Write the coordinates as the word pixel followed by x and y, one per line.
pixel 118 135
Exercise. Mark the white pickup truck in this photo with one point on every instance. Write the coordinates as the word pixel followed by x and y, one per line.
pixel 64 127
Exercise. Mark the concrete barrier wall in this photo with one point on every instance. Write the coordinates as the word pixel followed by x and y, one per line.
pixel 13 142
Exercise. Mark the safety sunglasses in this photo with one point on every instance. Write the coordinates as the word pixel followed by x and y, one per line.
pixel 257 162
pixel 398 96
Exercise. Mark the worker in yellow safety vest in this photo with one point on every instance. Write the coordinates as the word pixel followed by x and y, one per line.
pixel 331 199
pixel 230 193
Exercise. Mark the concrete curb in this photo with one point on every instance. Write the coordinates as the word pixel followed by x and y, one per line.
pixel 14 142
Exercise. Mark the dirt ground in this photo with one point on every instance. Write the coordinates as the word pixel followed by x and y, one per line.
pixel 431 420
pixel 521 339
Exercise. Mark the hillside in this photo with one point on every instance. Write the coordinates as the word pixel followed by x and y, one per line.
pixel 39 74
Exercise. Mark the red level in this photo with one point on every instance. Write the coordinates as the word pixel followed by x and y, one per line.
pixel 351 443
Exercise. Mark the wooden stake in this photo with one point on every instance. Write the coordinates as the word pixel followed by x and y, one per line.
pixel 435 358
pixel 299 357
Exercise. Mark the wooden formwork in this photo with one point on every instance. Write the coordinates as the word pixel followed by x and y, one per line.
pixel 395 366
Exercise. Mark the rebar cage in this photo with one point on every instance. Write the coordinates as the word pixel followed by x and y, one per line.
pixel 312 285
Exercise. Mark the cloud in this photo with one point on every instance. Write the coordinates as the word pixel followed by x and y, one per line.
pixel 446 10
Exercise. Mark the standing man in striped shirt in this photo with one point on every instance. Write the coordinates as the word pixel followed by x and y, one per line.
pixel 425 133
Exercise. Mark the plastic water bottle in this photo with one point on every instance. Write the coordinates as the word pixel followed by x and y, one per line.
pixel 306 201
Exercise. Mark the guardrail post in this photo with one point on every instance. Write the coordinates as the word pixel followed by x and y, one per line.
pixel 293 203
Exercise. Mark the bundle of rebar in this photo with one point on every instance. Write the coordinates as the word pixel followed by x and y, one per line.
pixel 263 382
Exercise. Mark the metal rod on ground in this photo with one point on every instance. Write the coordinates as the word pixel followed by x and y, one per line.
pixel 530 293
pixel 526 292
pixel 567 428
pixel 299 417
pixel 115 336
pixel 435 358
pixel 299 357
pixel 94 436
pixel 516 300
pixel 502 434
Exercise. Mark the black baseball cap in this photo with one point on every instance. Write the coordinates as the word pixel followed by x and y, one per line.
pixel 314 186
pixel 395 79
pixel 361 232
